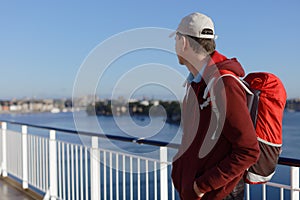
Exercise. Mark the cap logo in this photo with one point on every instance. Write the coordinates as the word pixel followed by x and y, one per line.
pixel 207 31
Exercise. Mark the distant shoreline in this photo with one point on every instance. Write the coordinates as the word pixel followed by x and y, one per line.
pixel 102 108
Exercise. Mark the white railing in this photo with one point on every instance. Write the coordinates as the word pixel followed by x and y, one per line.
pixel 64 170
pixel 61 169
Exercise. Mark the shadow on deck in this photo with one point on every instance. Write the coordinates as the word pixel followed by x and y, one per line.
pixel 11 190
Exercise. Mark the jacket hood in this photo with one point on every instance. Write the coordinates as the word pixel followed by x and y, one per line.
pixel 220 62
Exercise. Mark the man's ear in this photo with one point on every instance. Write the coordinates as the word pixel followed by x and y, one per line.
pixel 185 44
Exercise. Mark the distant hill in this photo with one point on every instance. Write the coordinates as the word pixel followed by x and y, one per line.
pixel 138 108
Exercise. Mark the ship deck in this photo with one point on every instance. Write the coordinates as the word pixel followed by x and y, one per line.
pixel 10 190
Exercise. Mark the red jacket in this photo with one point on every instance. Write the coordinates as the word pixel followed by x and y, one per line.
pixel 228 156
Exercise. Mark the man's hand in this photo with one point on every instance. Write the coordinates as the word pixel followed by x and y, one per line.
pixel 197 191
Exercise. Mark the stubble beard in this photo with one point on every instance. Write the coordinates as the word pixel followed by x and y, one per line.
pixel 181 60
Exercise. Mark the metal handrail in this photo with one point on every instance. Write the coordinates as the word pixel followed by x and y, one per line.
pixel 289 161
pixel 101 135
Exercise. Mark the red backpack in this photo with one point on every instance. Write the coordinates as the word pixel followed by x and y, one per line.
pixel 266 98
pixel 266 113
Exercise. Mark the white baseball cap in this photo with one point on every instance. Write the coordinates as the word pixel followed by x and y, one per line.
pixel 194 24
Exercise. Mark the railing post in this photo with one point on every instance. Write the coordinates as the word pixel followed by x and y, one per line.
pixel 4 151
pixel 247 191
pixel 95 169
pixel 53 165
pixel 163 173
pixel 294 183
pixel 24 158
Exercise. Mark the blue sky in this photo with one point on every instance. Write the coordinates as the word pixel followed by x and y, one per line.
pixel 44 43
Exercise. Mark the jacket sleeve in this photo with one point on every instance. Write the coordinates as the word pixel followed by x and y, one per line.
pixel 238 131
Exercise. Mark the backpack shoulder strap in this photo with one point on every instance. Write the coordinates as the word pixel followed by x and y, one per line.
pixel 214 80
pixel 239 81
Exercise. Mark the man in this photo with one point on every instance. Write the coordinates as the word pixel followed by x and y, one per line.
pixel 219 141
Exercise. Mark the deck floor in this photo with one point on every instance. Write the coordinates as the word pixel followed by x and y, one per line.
pixel 9 192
